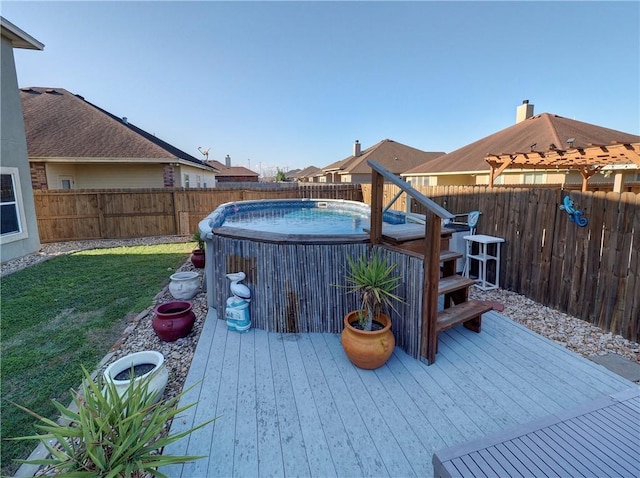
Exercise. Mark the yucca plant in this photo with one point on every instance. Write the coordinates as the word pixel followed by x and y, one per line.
pixel 373 280
pixel 110 435
pixel 197 237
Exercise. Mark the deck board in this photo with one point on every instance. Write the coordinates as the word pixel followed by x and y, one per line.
pixel 292 404
pixel 553 446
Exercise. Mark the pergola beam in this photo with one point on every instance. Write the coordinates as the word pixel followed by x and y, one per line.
pixel 588 161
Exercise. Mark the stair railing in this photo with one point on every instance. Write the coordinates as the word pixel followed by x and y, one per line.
pixel 433 229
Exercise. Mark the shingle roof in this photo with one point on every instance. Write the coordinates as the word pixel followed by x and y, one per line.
pixel 539 133
pixel 395 157
pixel 225 170
pixel 59 124
pixel 303 173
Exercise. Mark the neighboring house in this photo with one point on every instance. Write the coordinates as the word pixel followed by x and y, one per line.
pixel 305 175
pixel 233 174
pixel 19 235
pixel 395 157
pixel 74 144
pixel 531 134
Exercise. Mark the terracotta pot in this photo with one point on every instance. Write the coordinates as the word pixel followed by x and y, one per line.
pixel 173 320
pixel 198 258
pixel 366 349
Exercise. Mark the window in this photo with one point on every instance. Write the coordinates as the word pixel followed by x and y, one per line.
pixel 66 182
pixel 186 180
pixel 198 181
pixel 533 178
pixel 12 219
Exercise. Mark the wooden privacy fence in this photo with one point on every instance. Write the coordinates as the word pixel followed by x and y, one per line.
pixel 590 272
pixel 123 213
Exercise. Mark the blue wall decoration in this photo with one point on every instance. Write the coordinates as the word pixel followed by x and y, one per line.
pixel 574 215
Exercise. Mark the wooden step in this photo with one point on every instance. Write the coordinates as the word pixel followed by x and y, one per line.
pixel 449 261
pixel 453 283
pixel 470 311
pixel 450 256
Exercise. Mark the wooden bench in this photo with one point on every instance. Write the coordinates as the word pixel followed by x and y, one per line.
pixel 600 438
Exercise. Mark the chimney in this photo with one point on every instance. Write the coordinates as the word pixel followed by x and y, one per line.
pixel 227 161
pixel 356 148
pixel 524 111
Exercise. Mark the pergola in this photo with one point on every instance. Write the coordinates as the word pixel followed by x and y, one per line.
pixel 588 161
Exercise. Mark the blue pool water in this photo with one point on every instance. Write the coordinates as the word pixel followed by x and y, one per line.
pixel 301 221
pixel 297 216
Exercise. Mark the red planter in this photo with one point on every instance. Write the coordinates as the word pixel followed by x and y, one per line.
pixel 173 320
pixel 197 258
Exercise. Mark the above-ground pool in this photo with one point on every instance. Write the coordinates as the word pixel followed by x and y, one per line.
pixel 294 253
pixel 297 217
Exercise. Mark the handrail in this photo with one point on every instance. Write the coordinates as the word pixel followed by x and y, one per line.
pixel 407 188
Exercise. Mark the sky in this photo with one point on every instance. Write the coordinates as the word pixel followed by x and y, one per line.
pixel 292 84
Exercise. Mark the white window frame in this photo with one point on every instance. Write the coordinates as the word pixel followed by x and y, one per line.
pixel 22 232
pixel 66 178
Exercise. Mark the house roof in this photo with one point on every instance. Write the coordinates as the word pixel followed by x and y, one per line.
pixel 225 170
pixel 395 157
pixel 18 37
pixel 60 124
pixel 541 132
pixel 309 171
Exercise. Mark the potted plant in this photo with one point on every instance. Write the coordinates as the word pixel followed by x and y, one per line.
pixel 197 255
pixel 105 434
pixel 367 338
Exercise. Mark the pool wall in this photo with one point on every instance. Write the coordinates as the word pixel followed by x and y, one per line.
pixel 295 287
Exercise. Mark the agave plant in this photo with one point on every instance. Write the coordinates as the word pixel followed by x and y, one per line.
pixel 373 280
pixel 110 435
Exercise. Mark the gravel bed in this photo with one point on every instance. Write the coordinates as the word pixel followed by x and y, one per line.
pixel 576 334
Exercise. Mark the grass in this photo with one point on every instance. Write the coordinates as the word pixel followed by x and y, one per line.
pixel 64 313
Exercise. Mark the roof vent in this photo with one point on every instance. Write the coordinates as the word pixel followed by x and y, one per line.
pixel 524 111
pixel 125 120
pixel 51 91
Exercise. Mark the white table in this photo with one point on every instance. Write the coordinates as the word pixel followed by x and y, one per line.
pixel 483 256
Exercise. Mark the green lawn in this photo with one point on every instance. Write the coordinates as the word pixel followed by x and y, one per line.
pixel 65 312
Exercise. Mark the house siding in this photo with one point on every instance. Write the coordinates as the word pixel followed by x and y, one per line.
pixel 105 176
pixel 13 150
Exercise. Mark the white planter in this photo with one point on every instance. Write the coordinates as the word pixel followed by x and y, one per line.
pixel 184 285
pixel 159 375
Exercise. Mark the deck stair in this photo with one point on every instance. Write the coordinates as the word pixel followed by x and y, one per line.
pixel 458 309
pixel 429 240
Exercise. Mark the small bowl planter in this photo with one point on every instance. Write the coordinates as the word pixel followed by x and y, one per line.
pixel 184 285
pixel 147 363
pixel 173 320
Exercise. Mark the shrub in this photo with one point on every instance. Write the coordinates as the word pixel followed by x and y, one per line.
pixel 110 435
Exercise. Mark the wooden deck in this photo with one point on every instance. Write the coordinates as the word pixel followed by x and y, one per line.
pixel 293 405
pixel 601 438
